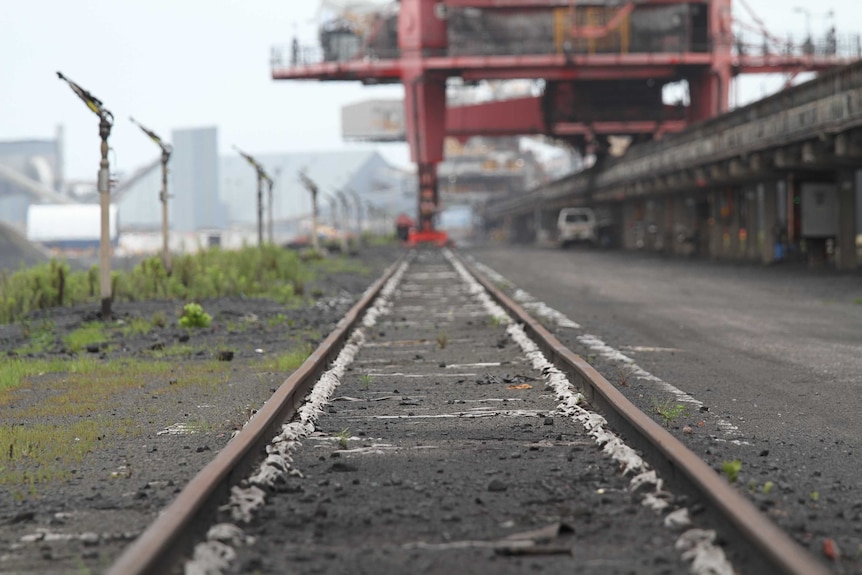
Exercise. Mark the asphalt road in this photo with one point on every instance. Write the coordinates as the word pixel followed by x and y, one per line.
pixel 775 351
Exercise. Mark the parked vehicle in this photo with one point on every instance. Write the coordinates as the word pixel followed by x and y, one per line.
pixel 576 225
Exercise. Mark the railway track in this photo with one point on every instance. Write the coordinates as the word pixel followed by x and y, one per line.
pixel 440 428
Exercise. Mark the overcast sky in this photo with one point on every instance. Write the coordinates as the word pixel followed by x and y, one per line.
pixel 191 63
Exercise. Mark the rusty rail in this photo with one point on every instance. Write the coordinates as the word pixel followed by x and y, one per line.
pixel 182 523
pixel 765 547
pixel 770 550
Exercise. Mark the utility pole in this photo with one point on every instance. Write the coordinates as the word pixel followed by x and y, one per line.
pixel 344 221
pixel 358 201
pixel 371 210
pixel 106 120
pixel 261 177
pixel 272 206
pixel 163 195
pixel 312 188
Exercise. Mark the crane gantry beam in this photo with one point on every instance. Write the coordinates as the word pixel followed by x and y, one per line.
pixel 604 67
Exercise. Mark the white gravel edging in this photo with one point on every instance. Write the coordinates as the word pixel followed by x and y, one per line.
pixel 695 545
pixel 216 555
pixel 611 354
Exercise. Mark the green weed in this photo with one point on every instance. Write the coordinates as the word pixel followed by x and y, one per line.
pixel 731 469
pixel 667 410
pixel 343 438
pixel 195 316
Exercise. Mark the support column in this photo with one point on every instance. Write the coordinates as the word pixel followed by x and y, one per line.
pixel 768 236
pixel 422 32
pixel 846 259
pixel 631 222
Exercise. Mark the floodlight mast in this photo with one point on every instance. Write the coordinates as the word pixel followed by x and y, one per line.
pixel 345 221
pixel 261 177
pixel 358 201
pixel 312 188
pixel 167 149
pixel 270 232
pixel 106 120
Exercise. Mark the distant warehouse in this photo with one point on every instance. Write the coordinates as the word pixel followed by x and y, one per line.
pixel 69 226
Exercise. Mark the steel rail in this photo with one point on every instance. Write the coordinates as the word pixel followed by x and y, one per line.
pixel 182 523
pixel 770 550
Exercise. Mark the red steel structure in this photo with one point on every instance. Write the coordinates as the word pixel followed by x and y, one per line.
pixel 603 67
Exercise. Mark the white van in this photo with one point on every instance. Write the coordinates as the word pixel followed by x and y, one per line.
pixel 576 225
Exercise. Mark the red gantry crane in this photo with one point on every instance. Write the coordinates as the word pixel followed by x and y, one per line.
pixel 602 64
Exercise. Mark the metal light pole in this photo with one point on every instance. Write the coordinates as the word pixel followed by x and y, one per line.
pixel 808 46
pixel 106 120
pixel 371 210
pixel 358 201
pixel 344 221
pixel 261 177
pixel 269 184
pixel 272 206
pixel 163 195
pixel 312 188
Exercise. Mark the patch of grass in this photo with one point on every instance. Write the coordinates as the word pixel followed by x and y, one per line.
pixel 366 381
pixel 88 334
pixel 858 301
pixel 767 487
pixel 252 272
pixel 442 340
pixel 291 360
pixel 139 326
pixel 276 320
pixel 496 321
pixel 159 319
pixel 89 387
pixel 209 374
pixel 340 264
pixel 731 469
pixel 14 372
pixel 669 411
pixel 178 350
pixel 40 453
pixel 41 337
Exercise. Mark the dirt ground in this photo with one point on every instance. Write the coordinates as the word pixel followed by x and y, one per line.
pixel 153 432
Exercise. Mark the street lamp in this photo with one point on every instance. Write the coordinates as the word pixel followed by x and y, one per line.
pixel 358 201
pixel 808 46
pixel 312 188
pixel 272 206
pixel 345 219
pixel 261 177
pixel 163 195
pixel 372 211
pixel 106 120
